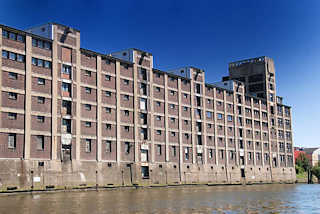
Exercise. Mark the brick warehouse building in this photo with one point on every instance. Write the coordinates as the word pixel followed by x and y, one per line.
pixel 73 117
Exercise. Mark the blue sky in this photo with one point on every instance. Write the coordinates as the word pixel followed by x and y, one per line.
pixel 204 34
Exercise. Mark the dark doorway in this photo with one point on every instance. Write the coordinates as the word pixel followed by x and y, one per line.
pixel 243 175
pixel 66 153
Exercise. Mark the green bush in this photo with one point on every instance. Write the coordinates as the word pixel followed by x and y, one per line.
pixel 299 170
pixel 316 171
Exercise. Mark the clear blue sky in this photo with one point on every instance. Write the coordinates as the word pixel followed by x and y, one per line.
pixel 205 34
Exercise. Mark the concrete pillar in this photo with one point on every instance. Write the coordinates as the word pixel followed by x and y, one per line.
pixel 78 80
pixel 215 124
pixel 28 82
pixel 118 96
pixel 136 107
pixel 193 121
pixel 166 116
pixel 54 99
pixel 150 79
pixel 225 127
pixel 99 108
pixel 204 121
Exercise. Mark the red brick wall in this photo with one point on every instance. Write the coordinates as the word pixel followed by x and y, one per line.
pixel 5 152
pixel 12 124
pixel 38 126
pixel 12 83
pixel 41 154
pixel 13 44
pixel 13 64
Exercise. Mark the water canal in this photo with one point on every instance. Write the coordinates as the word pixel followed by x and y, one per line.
pixel 275 198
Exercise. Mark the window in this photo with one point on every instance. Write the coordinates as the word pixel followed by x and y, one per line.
pixel 12 36
pixel 12 116
pixel 219 116
pixel 186 135
pixel 172 92
pixel 158 89
pixel 172 106
pixel 209 114
pixel 186 122
pixel 5 54
pixel 5 34
pixel 126 128
pixel 40 62
pixel 209 126
pixel 210 153
pixel 126 97
pixel 87 73
pixel 229 118
pixel 88 124
pixel 40 142
pixel 185 108
pixel 185 96
pixel 40 119
pixel 186 153
pixel 66 69
pixel 108 93
pixel 13 75
pixel 13 96
pixel 88 145
pixel 219 103
pixel 108 110
pixel 108 126
pixel 174 151
pixel 173 134
pixel 221 154
pixel 173 120
pixel 40 44
pixel 172 79
pixel 158 118
pixel 159 151
pixel 87 107
pixel 108 146
pixel 34 42
pixel 20 58
pixel 127 147
pixel 158 132
pixel 65 87
pixel 47 45
pixel 12 56
pixel 126 82
pixel 12 141
pixel 88 90
pixel 41 81
pixel 143 104
pixel 107 77
pixel 41 100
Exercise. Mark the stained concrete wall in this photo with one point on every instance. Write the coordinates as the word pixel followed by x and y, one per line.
pixel 24 175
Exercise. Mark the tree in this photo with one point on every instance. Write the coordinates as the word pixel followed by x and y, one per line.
pixel 303 161
pixel 316 171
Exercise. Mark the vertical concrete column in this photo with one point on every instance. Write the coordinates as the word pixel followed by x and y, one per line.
pixel 0 73
pixel 261 137
pixel 28 82
pixel 166 115
pixel 180 125
pixel 193 121
pixel 99 118
pixel 150 95
pixel 136 107
pixel 226 126
pixel 253 133
pixel 54 99
pixel 118 102
pixel 236 127
pixel 203 92
pixel 284 133
pixel 215 124
pixel 78 80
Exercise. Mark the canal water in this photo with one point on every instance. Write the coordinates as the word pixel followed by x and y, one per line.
pixel 285 198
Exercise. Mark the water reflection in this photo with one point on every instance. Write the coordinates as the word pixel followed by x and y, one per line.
pixel 203 199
